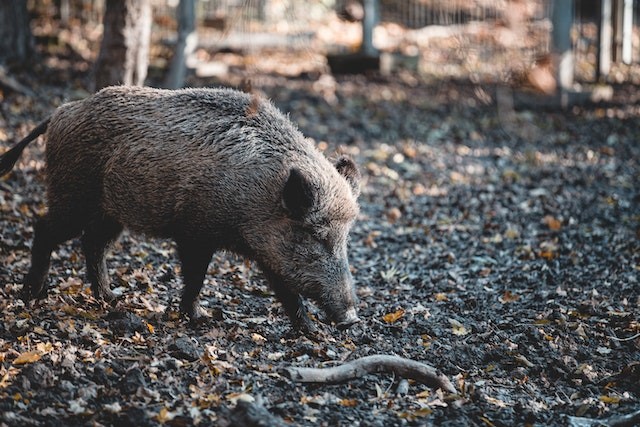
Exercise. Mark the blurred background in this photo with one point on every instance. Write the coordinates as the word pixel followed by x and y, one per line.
pixel 499 41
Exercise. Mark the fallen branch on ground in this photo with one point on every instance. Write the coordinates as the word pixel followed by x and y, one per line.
pixel 405 368
pixel 627 420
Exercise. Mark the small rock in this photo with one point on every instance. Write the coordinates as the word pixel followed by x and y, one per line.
pixel 134 416
pixel 131 381
pixel 184 348
pixel 102 374
pixel 247 413
pixel 126 323
pixel 403 388
pixel 38 376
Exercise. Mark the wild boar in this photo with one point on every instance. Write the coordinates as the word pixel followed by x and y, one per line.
pixel 211 169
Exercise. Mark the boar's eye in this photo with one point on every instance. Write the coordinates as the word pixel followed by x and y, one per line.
pixel 324 240
pixel 298 195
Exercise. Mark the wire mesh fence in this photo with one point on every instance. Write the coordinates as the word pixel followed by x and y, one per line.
pixel 492 39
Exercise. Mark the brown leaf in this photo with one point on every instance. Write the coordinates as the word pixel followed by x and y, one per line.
pixel 165 415
pixel 440 296
pixel 508 297
pixel 393 215
pixel 548 250
pixel 27 357
pixel 413 415
pixel 349 403
pixel 258 339
pixel 551 222
pixel 610 399
pixel 393 317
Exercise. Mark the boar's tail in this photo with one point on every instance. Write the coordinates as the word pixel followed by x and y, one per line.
pixel 9 159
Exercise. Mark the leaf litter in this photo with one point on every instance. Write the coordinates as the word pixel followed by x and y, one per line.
pixel 509 263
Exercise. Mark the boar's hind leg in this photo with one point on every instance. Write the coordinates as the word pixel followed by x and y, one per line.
pixel 49 232
pixel 293 305
pixel 96 239
pixel 195 260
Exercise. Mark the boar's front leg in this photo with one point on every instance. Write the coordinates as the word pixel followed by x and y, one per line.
pixel 195 258
pixel 292 303
pixel 97 237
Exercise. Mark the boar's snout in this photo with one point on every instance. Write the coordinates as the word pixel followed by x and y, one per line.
pixel 349 319
pixel 340 303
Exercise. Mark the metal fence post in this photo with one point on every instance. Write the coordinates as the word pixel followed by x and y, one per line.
pixel 371 18
pixel 562 16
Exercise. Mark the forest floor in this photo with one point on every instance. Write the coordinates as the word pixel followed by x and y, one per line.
pixel 500 246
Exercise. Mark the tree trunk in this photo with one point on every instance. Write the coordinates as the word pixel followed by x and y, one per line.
pixel 15 34
pixel 124 52
pixel 187 41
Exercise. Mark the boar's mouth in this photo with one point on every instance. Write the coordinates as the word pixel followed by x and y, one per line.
pixel 339 307
pixel 350 318
pixel 341 312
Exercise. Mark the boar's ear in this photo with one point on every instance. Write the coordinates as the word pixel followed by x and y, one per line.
pixel 349 170
pixel 297 196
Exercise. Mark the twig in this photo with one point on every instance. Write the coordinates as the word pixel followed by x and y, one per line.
pixel 631 338
pixel 406 368
pixel 627 420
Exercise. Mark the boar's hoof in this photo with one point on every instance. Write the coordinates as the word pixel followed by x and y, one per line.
pixel 105 295
pixel 196 314
pixel 29 293
pixel 306 327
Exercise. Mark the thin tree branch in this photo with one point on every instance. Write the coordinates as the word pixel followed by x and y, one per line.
pixel 405 368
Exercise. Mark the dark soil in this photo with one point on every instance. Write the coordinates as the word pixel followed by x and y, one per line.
pixel 500 246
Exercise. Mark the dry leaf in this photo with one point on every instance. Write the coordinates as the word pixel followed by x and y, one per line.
pixel 234 397
pixel 257 338
pixel 551 222
pixel 7 376
pixel 497 402
pixel 44 347
pixel 508 297
pixel 27 357
pixel 457 327
pixel 487 421
pixel 39 330
pixel 440 296
pixel 114 408
pixel 548 250
pixel 610 399
pixel 511 233
pixel 413 415
pixel 275 356
pixel 393 215
pixel 350 403
pixel 393 317
pixel 165 415
pixel 423 394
